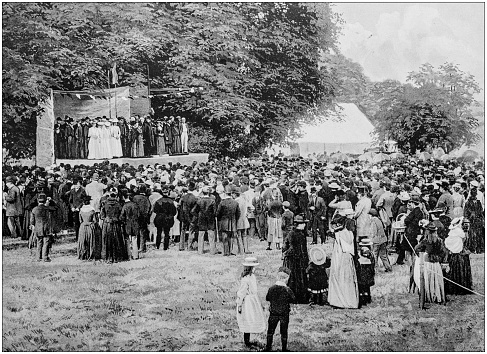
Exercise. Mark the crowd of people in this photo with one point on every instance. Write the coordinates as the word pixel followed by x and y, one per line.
pixel 104 138
pixel 412 207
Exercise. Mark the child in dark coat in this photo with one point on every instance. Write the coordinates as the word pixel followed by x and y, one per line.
pixel 317 276
pixel 365 272
pixel 280 297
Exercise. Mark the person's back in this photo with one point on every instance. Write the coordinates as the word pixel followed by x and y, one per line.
pixel 280 297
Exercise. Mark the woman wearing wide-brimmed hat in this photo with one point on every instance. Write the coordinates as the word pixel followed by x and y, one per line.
pixel 250 314
pixel 343 289
pixel 296 259
pixel 459 269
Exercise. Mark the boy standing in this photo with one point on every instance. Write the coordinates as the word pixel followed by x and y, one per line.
pixel 280 297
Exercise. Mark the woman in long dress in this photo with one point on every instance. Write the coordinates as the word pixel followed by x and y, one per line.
pixel 89 239
pixel 343 289
pixel 475 215
pixel 250 315
pixel 106 146
pixel 161 145
pixel 434 253
pixel 296 259
pixel 460 270
pixel 94 142
pixel 113 246
pixel 116 142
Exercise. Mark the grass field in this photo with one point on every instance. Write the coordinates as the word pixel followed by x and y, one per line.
pixel 181 301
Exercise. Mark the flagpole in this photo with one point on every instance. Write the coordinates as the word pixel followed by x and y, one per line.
pixel 148 87
pixel 116 114
pixel 109 96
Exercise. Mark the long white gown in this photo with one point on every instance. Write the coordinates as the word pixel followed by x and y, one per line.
pixel 94 143
pixel 115 142
pixel 106 149
pixel 343 288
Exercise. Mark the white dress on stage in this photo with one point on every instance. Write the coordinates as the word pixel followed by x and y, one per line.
pixel 106 149
pixel 115 142
pixel 94 143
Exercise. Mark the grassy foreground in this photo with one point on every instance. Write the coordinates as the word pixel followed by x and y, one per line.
pixel 182 301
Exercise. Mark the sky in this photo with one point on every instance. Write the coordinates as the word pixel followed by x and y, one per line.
pixel 391 39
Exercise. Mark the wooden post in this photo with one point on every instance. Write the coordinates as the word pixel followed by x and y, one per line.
pixel 45 133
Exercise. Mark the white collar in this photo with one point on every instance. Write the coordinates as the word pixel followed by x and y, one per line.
pixel 280 283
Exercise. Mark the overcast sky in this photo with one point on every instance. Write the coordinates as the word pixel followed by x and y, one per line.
pixel 391 39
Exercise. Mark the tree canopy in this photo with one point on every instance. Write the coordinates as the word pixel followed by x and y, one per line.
pixel 259 64
pixel 434 109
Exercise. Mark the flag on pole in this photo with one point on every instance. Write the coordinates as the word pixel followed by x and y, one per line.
pixel 114 74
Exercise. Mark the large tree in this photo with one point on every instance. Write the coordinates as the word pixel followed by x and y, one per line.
pixel 434 109
pixel 257 62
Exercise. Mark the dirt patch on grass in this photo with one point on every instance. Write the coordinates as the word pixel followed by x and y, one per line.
pixel 182 301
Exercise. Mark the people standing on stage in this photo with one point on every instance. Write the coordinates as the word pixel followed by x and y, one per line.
pixel 148 133
pixel 160 139
pixel 77 140
pixel 176 133
pixel 70 145
pixel 183 128
pixel 168 136
pixel 115 138
pixel 106 146
pixel 57 138
pixel 137 139
pixel 124 135
pixel 93 142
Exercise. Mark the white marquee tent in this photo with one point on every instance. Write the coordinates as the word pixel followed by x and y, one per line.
pixel 348 131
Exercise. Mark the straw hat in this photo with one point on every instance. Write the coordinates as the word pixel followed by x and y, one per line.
pixel 366 242
pixel 456 222
pixel 317 255
pixel 250 262
pixel 404 196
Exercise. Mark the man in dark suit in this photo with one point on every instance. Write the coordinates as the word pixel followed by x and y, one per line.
pixel 165 211
pixel 204 210
pixel 144 205
pixel 76 195
pixel 317 216
pixel 227 214
pixel 130 217
pixel 186 205
pixel 40 224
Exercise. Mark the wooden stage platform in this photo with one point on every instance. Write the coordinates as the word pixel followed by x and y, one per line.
pixel 136 161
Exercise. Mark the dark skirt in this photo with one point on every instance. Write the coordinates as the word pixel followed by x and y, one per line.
pixel 298 281
pixel 461 273
pixel 25 232
pixel 89 241
pixel 317 278
pixel 476 237
pixel 113 245
pixel 161 145
pixel 365 275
